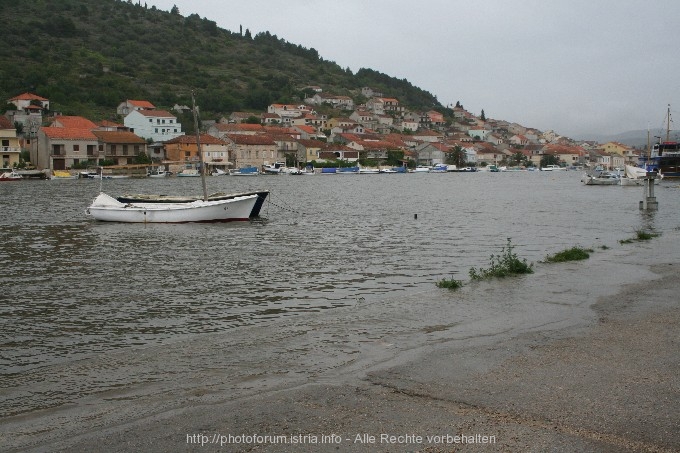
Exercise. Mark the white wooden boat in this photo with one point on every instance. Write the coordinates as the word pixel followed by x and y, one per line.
pixel 152 198
pixel 107 209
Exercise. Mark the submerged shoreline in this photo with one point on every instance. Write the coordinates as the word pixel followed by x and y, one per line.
pixel 578 356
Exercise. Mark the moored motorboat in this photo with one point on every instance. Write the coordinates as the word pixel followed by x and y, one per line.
pixel 664 157
pixel 10 176
pixel 635 176
pixel 245 171
pixel 63 174
pixel 158 173
pixel 604 178
pixel 189 173
pixel 274 169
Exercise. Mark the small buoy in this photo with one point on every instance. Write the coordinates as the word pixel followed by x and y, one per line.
pixel 415 216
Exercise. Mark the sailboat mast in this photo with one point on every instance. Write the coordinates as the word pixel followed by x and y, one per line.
pixel 198 146
pixel 668 124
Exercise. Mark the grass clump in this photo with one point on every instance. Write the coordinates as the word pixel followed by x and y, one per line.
pixel 572 254
pixel 449 283
pixel 503 265
pixel 644 236
pixel 640 235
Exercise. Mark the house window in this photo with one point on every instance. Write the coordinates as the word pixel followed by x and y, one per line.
pixel 101 147
pixel 113 149
pixel 76 148
pixel 125 150
pixel 156 130
pixel 150 120
pixel 5 143
pixel 90 150
pixel 136 149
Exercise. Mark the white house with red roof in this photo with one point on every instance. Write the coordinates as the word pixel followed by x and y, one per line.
pixel 288 111
pixel 29 100
pixel 131 105
pixel 29 112
pixel 157 125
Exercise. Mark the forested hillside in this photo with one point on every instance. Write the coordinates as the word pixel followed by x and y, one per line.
pixel 86 56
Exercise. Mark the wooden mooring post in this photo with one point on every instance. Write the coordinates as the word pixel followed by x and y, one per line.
pixel 649 202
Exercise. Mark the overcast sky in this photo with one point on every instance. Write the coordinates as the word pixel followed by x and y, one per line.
pixel 578 67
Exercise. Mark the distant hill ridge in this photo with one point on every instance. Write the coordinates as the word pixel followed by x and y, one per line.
pixel 636 138
pixel 86 56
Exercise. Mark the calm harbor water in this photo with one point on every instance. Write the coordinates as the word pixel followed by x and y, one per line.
pixel 73 289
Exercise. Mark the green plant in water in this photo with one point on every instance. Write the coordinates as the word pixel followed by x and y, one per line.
pixel 503 265
pixel 640 235
pixel 644 236
pixel 572 254
pixel 451 283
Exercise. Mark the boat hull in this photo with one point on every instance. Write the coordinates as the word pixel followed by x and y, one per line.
pixel 142 198
pixel 10 176
pixel 107 209
pixel 596 181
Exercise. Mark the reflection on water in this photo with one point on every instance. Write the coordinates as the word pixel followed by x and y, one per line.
pixel 73 288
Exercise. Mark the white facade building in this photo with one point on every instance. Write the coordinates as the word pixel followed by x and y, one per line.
pixel 158 125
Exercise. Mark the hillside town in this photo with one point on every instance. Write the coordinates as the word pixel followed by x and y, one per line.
pixel 378 132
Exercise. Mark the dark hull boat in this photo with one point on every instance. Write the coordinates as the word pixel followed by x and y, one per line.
pixel 148 198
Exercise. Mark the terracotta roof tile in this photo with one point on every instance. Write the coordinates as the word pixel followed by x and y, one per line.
pixel 191 139
pixel 64 133
pixel 28 97
pixel 141 104
pixel 118 137
pixel 75 122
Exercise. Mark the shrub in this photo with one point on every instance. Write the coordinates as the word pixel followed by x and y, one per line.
pixel 449 283
pixel 644 236
pixel 640 235
pixel 503 265
pixel 572 254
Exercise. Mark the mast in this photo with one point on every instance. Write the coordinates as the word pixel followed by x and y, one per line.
pixel 668 124
pixel 198 145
